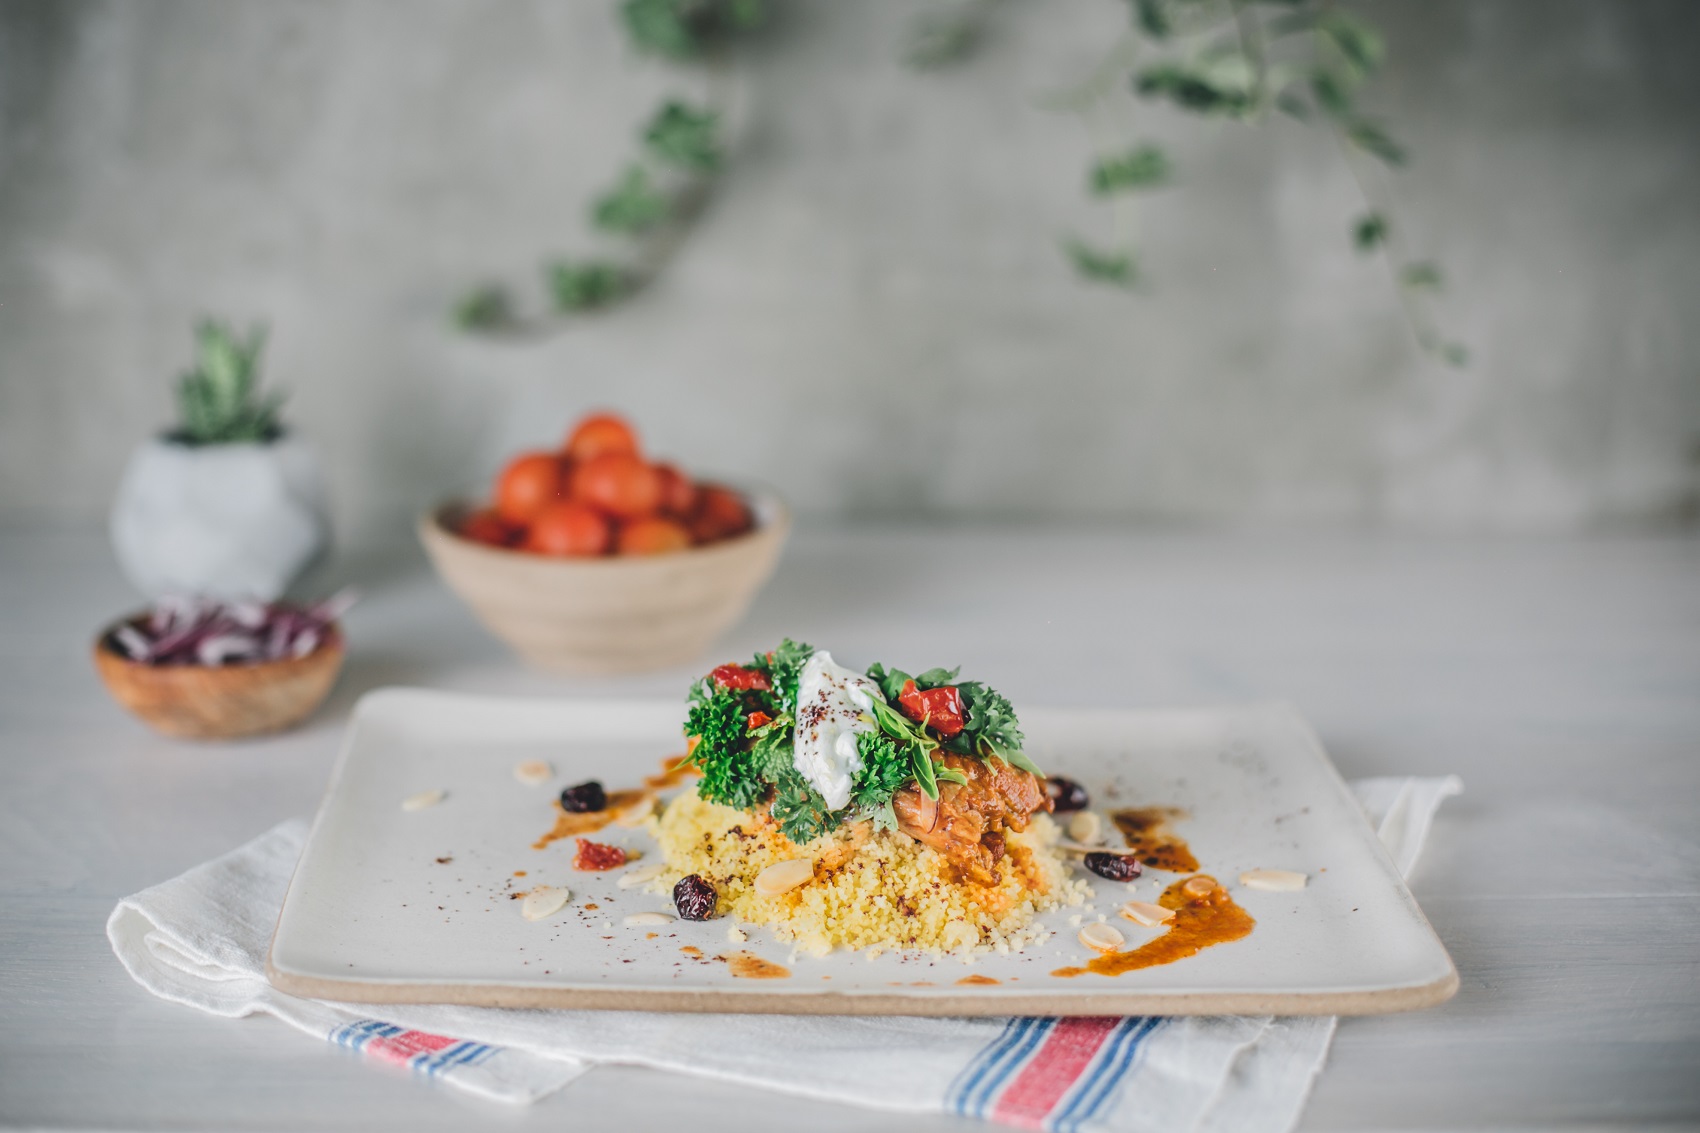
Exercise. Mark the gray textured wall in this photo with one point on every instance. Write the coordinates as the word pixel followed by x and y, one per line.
pixel 872 313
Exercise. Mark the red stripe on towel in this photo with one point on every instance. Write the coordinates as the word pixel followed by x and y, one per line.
pixel 401 1049
pixel 1067 1051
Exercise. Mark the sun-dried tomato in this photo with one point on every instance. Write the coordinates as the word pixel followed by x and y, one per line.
pixel 738 677
pixel 597 855
pixel 941 708
pixel 758 720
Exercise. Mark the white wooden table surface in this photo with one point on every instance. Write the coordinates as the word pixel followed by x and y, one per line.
pixel 1561 679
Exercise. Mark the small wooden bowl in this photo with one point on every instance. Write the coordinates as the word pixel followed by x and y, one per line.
pixel 614 614
pixel 200 702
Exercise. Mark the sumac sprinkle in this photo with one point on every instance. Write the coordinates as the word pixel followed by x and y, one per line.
pixel 694 898
pixel 1116 867
pixel 1066 794
pixel 597 855
pixel 584 798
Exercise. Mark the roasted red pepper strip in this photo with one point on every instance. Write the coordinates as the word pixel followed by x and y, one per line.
pixel 736 676
pixel 939 708
pixel 758 720
pixel 597 855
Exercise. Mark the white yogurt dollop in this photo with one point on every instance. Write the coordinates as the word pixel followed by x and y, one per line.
pixel 831 701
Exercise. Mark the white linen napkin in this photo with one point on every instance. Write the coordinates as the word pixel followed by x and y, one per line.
pixel 201 940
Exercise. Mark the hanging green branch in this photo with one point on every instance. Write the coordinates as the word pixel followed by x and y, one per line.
pixel 661 190
pixel 1239 60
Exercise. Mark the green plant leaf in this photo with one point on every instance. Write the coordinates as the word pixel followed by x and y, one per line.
pixel 578 287
pixel 1153 18
pixel 1191 88
pixel 219 401
pixel 1373 139
pixel 633 206
pixel 1359 44
pixel 484 308
pixel 1102 267
pixel 1421 276
pixel 1331 93
pixel 1370 232
pixel 687 29
pixel 1141 168
pixel 684 137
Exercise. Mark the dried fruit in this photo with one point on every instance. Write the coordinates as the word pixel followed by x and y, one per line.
pixel 1116 867
pixel 1273 880
pixel 1101 938
pixel 597 855
pixel 584 798
pixel 694 898
pixel 782 877
pixel 1066 795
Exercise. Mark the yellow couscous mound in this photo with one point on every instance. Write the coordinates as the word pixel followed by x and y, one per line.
pixel 873 890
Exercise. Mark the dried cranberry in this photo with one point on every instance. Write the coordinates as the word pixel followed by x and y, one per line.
pixel 694 898
pixel 584 798
pixel 1066 794
pixel 1116 867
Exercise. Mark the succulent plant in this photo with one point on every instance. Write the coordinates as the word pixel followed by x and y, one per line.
pixel 219 401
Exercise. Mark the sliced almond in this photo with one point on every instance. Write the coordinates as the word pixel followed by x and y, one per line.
pixel 635 814
pixel 648 918
pixel 642 875
pixel 960 935
pixel 1199 886
pixel 533 772
pixel 1147 914
pixel 543 901
pixel 1101 937
pixel 1068 846
pixel 782 877
pixel 424 799
pixel 1273 880
pixel 1086 828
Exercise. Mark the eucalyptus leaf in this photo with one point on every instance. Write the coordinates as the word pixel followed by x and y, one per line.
pixel 683 136
pixel 1368 136
pixel 633 206
pixel 1102 267
pixel 1140 168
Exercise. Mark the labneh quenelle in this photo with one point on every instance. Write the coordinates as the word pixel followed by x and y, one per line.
pixel 864 809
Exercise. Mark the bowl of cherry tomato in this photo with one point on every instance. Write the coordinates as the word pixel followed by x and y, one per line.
pixel 592 558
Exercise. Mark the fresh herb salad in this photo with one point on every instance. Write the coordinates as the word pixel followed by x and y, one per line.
pixel 821 745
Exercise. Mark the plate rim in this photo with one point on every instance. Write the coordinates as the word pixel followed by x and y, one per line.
pixel 1110 1001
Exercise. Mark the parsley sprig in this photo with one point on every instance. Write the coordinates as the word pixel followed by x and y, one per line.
pixel 747 760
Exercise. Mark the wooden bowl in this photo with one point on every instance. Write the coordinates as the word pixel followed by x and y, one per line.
pixel 617 614
pixel 201 702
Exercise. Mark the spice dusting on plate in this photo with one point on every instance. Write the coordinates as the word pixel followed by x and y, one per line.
pixel 749 966
pixel 1150 839
pixel 1204 915
pixel 976 980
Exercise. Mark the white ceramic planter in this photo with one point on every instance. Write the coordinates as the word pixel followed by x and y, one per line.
pixel 226 521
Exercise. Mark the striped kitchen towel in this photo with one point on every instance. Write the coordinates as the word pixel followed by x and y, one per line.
pixel 201 940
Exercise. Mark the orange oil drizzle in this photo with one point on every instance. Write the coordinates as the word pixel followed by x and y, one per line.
pixel 1201 920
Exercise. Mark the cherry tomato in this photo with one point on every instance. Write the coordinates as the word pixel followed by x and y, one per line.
pixel 485 526
pixel 720 514
pixel 568 528
pixel 619 484
pixel 941 708
pixel 600 433
pixel 736 676
pixel 678 494
pixel 651 537
pixel 528 484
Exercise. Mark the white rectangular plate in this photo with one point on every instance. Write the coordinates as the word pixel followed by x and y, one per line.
pixel 397 906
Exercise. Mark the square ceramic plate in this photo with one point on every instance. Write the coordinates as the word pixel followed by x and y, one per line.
pixel 389 905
